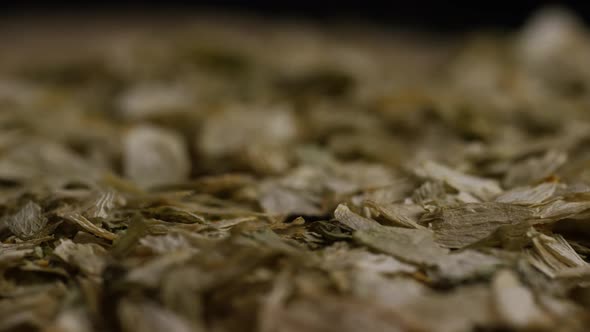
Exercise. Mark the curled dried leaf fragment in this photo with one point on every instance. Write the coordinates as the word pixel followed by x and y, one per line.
pixel 554 256
pixel 90 258
pixel 480 187
pixel 405 215
pixel 415 246
pixel 89 226
pixel 460 226
pixel 529 195
pixel 356 222
pixel 28 222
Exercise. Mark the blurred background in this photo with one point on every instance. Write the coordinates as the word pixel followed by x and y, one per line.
pixel 417 14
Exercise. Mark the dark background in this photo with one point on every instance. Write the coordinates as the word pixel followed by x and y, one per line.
pixel 429 15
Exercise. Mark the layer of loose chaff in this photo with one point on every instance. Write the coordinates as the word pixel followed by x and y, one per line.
pixel 237 175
